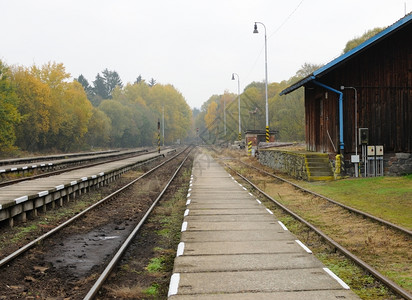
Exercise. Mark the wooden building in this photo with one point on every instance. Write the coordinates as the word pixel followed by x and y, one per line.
pixel 379 71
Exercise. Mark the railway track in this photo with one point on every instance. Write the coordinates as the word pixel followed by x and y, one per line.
pixel 68 264
pixel 378 222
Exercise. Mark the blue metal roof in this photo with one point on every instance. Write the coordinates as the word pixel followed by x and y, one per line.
pixel 334 63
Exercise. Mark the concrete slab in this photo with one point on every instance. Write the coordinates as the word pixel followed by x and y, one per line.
pixel 244 262
pixel 236 236
pixel 232 226
pixel 251 281
pixel 241 247
pixel 306 295
pixel 256 211
pixel 265 217
pixel 225 205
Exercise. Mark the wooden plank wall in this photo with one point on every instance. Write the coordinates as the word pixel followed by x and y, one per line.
pixel 382 76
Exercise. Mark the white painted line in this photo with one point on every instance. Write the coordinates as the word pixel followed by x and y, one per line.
pixel 341 282
pixel 235 180
pixel 244 188
pixel 59 187
pixel 25 168
pixel 44 193
pixel 186 213
pixel 188 202
pixel 303 246
pixel 251 194
pixel 258 201
pixel 240 185
pixel 282 225
pixel 2 171
pixel 184 226
pixel 21 199
pixel 269 211
pixel 34 166
pixel 191 184
pixel 73 182
pixel 101 173
pixel 189 190
pixel 188 195
pixel 1 207
pixel 13 169
pixel 180 249
pixel 94 176
pixel 83 178
pixel 50 164
pixel 42 165
pixel 174 284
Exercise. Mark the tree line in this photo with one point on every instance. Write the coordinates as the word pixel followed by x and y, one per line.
pixel 286 113
pixel 41 109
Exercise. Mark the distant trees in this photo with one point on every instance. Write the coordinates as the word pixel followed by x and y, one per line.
pixel 41 109
pixel 286 113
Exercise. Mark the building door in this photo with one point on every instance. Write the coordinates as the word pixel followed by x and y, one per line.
pixel 319 134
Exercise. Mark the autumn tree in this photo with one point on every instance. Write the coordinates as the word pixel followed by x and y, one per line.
pixel 69 111
pixel 35 102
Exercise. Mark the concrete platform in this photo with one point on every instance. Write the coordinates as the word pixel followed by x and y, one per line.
pixel 232 247
pixel 26 197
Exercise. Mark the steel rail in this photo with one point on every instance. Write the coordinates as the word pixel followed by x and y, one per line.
pixel 31 244
pixel 362 213
pixel 389 283
pixel 100 281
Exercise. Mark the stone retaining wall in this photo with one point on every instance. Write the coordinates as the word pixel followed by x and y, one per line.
pixel 284 161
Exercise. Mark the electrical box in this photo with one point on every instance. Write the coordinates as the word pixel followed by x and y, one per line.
pixel 371 151
pixel 363 136
pixel 379 150
pixel 354 158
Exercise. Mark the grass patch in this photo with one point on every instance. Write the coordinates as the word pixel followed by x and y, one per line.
pixel 386 197
pixel 153 290
pixel 156 265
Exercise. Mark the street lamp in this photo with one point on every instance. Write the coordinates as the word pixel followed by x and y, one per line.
pixel 266 80
pixel 356 126
pixel 238 103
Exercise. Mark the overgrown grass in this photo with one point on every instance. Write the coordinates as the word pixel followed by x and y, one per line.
pixel 389 198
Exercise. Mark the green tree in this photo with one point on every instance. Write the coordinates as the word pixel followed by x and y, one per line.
pixel 100 90
pixel 112 80
pixel 359 40
pixel 98 129
pixel 9 114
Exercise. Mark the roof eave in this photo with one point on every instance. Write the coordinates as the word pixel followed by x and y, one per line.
pixel 297 85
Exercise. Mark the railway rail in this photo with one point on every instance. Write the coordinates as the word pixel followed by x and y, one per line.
pixel 351 209
pixel 386 281
pixel 116 197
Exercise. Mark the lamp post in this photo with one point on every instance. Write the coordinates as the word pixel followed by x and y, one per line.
pixel 266 80
pixel 356 126
pixel 238 103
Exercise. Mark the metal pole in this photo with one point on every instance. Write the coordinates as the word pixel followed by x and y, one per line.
pixel 266 82
pixel 238 103
pixel 158 135
pixel 224 115
pixel 163 124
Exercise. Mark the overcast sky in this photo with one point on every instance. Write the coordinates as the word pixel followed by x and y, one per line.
pixel 193 45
